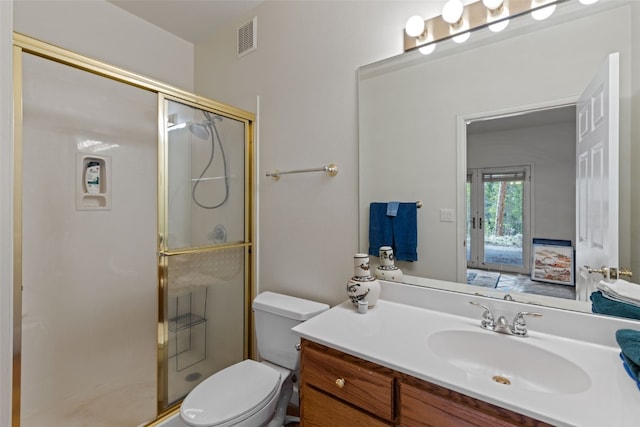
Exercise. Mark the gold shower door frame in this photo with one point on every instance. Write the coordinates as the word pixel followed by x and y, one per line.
pixel 24 44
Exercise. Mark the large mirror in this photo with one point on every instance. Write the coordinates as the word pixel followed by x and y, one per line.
pixel 428 125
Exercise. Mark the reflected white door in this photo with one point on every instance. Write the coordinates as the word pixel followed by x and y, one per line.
pixel 597 116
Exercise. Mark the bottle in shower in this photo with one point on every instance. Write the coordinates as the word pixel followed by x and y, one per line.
pixel 92 177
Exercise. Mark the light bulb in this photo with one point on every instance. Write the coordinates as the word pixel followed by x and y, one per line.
pixel 461 38
pixel 415 26
pixel 499 26
pixel 493 4
pixel 542 13
pixel 428 49
pixel 452 11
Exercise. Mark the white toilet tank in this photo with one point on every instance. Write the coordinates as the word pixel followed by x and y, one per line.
pixel 275 315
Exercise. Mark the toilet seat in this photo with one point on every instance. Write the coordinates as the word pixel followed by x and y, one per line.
pixel 231 395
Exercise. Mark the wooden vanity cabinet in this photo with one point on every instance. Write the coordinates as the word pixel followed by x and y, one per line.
pixel 342 390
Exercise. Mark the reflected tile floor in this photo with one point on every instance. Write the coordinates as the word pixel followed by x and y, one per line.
pixel 523 283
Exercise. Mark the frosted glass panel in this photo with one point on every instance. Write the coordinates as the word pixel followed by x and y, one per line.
pixel 90 281
pixel 205 303
pixel 206 178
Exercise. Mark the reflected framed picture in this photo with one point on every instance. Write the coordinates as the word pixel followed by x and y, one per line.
pixel 553 261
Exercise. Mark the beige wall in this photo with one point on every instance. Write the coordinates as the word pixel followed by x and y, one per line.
pixel 103 31
pixel 305 75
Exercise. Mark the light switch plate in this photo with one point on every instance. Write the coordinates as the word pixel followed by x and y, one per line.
pixel 446 215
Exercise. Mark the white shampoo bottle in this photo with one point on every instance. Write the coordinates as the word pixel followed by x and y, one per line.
pixel 92 177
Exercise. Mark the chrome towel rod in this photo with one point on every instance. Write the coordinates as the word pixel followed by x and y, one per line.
pixel 331 170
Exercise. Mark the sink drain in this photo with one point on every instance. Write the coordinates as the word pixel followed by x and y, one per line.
pixel 501 380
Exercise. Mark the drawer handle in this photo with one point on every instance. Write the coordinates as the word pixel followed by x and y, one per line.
pixel 340 382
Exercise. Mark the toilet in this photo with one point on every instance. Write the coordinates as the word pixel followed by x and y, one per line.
pixel 250 393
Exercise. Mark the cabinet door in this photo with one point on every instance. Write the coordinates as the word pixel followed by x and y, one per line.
pixel 321 410
pixel 427 405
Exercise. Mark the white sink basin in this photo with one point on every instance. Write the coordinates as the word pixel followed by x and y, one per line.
pixel 510 361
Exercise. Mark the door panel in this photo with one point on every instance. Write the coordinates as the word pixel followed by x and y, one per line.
pixel 597 178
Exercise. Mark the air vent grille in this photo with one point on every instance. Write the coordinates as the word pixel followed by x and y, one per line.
pixel 247 37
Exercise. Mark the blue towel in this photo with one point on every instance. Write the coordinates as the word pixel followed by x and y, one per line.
pixel 392 208
pixel 602 305
pixel 400 231
pixel 405 232
pixel 380 228
pixel 629 342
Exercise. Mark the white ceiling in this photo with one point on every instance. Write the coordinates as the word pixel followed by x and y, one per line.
pixel 191 20
pixel 529 119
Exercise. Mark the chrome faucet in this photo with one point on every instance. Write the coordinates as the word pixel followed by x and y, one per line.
pixel 518 328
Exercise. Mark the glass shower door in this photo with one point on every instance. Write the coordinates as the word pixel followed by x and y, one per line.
pixel 205 244
pixel 89 258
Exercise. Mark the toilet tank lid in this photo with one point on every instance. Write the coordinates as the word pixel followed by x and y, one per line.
pixel 288 306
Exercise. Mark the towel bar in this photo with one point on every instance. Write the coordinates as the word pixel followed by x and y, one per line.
pixel 331 170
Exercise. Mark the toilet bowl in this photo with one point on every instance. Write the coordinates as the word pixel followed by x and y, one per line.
pixel 250 393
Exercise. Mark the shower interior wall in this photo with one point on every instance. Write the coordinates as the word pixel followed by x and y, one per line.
pixel 191 225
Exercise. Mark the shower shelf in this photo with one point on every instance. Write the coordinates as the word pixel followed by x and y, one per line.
pixel 185 321
pixel 188 328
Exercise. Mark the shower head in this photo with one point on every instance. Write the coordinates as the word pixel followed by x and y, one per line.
pixel 199 130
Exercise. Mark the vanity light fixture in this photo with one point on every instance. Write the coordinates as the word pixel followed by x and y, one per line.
pixel 458 21
pixel 588 2
pixel 452 13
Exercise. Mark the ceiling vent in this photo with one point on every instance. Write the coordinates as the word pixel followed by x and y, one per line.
pixel 247 37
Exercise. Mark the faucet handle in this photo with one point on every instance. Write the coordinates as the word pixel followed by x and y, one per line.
pixel 519 325
pixel 488 321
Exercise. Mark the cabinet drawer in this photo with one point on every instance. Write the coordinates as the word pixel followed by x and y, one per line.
pixel 322 410
pixel 363 387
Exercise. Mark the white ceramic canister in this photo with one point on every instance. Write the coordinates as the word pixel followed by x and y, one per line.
pixel 387 269
pixel 362 286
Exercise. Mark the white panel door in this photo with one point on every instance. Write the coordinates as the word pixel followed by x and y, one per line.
pixel 597 116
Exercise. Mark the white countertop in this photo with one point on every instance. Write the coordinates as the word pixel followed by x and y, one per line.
pixel 395 335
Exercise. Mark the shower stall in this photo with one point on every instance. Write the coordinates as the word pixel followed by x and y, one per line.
pixel 133 238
